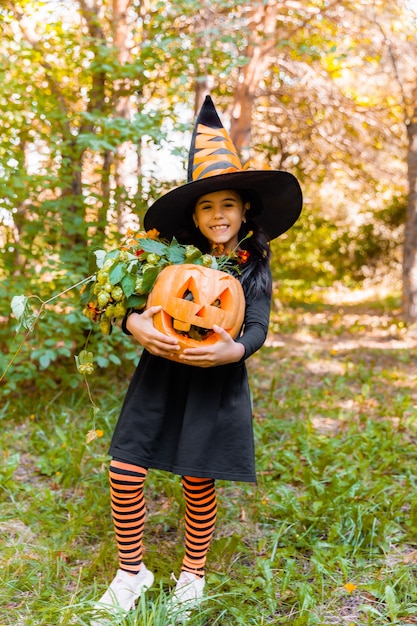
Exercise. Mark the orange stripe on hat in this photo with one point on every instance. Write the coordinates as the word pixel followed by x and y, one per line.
pixel 214 153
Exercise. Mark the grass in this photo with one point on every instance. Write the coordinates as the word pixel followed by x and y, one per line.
pixel 328 536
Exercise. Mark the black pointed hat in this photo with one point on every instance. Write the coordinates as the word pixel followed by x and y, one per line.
pixel 275 196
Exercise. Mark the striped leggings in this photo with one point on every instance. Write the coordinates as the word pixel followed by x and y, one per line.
pixel 129 512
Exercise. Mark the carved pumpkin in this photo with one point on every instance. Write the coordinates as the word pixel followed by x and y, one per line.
pixel 193 299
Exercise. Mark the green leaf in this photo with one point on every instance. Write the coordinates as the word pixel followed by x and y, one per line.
pixel 94 410
pixel 136 302
pixel 117 273
pixel 176 253
pixel 128 283
pixel 149 245
pixel 28 322
pixel 132 264
pixel 113 254
pixel 149 277
pixel 18 306
pixel 114 359
pixel 23 313
pixel 100 257
pixel 46 358
pixel 87 294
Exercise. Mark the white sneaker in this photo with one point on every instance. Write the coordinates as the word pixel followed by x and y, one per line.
pixel 124 590
pixel 187 595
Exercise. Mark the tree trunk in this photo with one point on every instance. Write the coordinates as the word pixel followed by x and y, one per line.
pixel 201 90
pixel 71 161
pixel 262 27
pixel 203 81
pixel 126 162
pixel 410 237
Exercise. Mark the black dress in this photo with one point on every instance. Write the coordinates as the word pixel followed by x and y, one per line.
pixel 193 421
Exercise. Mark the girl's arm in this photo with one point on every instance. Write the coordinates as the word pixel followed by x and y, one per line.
pixel 256 324
pixel 140 325
pixel 226 350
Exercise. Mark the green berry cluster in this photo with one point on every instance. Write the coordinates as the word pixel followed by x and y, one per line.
pixel 109 300
pixel 124 279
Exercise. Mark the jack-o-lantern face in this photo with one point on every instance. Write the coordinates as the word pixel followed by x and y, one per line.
pixel 193 299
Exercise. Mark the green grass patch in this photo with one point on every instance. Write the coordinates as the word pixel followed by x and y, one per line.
pixel 328 536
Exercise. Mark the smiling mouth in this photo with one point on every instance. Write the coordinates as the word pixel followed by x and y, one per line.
pixel 219 229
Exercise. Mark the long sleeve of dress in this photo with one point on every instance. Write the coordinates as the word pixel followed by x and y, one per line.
pixel 256 323
pixel 124 322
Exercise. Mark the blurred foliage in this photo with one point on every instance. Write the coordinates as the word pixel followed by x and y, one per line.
pixel 319 251
pixel 73 98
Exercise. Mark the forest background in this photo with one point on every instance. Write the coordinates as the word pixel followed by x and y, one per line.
pixel 97 102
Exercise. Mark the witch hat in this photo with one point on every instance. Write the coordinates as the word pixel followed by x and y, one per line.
pixel 275 196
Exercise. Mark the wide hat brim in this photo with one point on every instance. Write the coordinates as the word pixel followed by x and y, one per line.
pixel 275 198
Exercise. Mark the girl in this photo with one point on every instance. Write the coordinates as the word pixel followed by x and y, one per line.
pixel 194 418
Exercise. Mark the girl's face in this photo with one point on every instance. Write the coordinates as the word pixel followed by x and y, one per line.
pixel 219 216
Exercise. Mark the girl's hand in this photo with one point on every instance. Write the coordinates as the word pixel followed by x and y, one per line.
pixel 142 328
pixel 224 351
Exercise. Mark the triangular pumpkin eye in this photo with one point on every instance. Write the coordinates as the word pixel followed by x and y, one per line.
pixel 224 300
pixel 188 295
pixel 188 291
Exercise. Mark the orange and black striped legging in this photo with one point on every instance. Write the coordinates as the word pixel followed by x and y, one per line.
pixel 129 512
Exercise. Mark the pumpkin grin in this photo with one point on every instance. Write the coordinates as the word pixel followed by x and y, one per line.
pixel 191 330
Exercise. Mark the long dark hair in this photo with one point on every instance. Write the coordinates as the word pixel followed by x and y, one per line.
pixel 254 274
